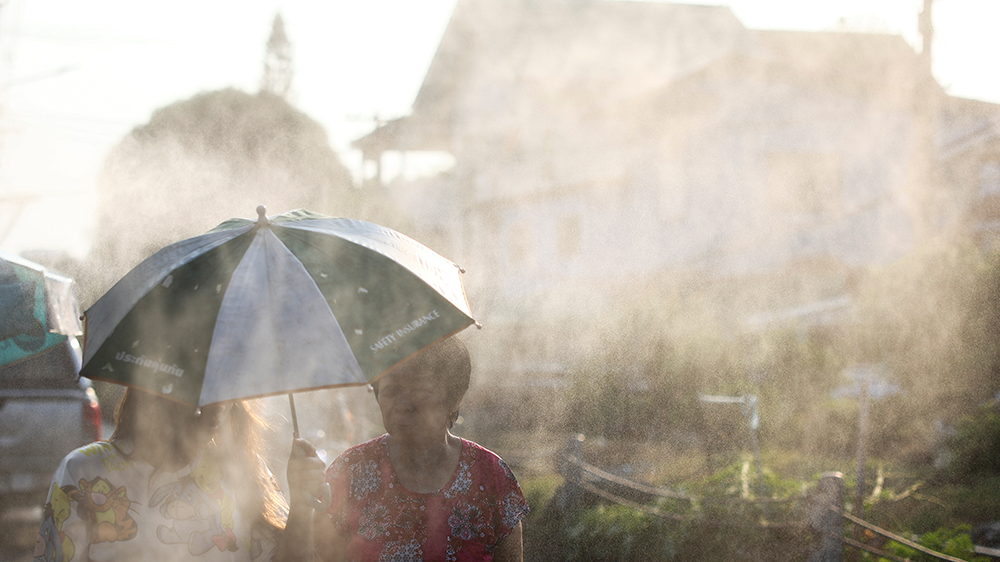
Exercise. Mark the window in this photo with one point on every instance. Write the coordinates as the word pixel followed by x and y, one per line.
pixel 804 183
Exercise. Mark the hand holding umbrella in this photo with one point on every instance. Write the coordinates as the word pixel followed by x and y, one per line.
pixel 303 453
pixel 306 471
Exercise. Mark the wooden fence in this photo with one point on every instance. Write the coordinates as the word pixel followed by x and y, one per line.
pixel 824 508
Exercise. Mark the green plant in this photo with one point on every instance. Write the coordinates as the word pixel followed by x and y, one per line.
pixel 953 541
pixel 538 491
pixel 612 533
pixel 974 445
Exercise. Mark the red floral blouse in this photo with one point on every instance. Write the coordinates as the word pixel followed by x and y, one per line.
pixel 463 521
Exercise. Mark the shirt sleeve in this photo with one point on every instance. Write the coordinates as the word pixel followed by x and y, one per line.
pixel 338 476
pixel 63 535
pixel 512 506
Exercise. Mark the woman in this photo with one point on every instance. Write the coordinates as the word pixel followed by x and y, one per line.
pixel 419 492
pixel 178 483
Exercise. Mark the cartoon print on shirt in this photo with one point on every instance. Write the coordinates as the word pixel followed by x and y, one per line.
pixel 104 508
pixel 208 477
pixel 197 513
pixel 52 544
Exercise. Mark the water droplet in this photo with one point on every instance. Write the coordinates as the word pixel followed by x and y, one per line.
pixel 359 332
pixel 362 291
pixel 168 280
pixel 167 388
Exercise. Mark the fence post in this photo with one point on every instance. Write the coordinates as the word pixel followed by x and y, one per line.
pixel 829 493
pixel 572 472
pixel 574 447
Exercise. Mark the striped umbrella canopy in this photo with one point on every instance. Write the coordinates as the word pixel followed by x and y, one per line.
pixel 289 303
pixel 38 309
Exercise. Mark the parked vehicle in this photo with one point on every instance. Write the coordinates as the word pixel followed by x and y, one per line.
pixel 46 411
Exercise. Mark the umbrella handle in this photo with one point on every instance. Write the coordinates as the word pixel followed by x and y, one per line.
pixel 295 419
pixel 322 503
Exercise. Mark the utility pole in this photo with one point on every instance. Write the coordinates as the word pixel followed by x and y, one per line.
pixel 749 407
pixel 859 487
pixel 924 189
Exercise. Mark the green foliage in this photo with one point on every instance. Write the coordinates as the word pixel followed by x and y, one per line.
pixel 931 318
pixel 538 491
pixel 951 541
pixel 974 446
pixel 733 494
pixel 613 533
pixel 645 375
pixel 206 159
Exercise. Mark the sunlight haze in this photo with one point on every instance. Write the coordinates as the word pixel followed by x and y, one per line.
pixel 77 77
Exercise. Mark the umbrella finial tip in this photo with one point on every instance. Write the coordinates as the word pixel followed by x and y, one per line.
pixel 262 215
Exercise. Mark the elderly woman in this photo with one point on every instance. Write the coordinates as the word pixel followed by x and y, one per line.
pixel 419 492
pixel 177 483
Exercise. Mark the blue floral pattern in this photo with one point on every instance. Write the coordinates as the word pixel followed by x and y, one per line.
pixel 401 552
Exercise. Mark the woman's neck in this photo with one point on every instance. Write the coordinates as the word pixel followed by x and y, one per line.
pixel 426 467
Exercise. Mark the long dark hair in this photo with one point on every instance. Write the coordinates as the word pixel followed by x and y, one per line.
pixel 257 492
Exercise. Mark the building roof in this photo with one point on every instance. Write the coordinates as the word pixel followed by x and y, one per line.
pixel 590 51
pixel 606 55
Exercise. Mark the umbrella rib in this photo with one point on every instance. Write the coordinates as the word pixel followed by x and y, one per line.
pixel 459 301
pixel 111 308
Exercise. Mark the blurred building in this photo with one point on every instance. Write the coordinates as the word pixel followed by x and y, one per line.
pixel 607 148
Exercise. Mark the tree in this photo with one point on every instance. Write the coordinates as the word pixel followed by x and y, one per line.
pixel 277 78
pixel 203 160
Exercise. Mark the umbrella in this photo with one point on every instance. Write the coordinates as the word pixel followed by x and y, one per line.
pixel 256 308
pixel 38 309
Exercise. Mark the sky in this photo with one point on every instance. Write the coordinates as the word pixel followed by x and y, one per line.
pixel 76 77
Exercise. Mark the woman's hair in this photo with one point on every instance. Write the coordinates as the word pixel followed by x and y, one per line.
pixel 448 363
pixel 256 490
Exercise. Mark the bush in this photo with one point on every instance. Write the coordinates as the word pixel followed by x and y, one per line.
pixel 974 445
pixel 951 541
pixel 612 533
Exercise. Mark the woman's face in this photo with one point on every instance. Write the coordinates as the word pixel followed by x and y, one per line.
pixel 180 423
pixel 414 406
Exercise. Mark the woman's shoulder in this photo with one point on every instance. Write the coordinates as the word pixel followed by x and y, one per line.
pixel 483 456
pixel 371 449
pixel 372 445
pixel 89 461
pixel 479 451
pixel 98 453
